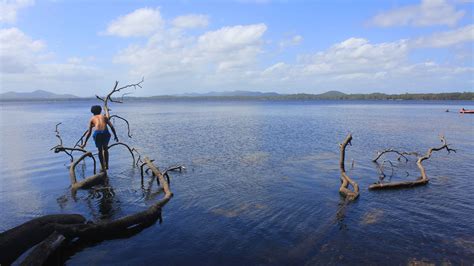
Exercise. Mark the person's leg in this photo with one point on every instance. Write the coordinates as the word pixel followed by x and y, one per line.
pixel 106 157
pixel 101 157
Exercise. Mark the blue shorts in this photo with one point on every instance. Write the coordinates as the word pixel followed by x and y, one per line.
pixel 101 138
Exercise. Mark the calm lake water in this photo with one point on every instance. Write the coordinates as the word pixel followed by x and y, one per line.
pixel 262 180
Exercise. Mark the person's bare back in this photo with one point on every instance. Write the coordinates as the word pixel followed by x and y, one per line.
pixel 99 122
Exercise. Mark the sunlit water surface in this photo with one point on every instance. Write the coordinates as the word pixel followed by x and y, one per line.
pixel 261 185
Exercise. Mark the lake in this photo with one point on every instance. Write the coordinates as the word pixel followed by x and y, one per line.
pixel 262 179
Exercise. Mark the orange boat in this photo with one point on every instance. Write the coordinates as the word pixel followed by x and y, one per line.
pixel 464 111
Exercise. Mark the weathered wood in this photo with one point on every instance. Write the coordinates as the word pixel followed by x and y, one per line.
pixel 100 178
pixel 345 179
pixel 126 146
pixel 401 154
pixel 395 185
pixel 19 239
pixel 72 168
pixel 43 250
pixel 161 179
pixel 423 180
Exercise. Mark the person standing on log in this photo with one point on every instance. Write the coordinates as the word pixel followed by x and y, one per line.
pixel 101 135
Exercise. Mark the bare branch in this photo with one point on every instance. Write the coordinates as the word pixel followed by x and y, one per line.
pixel 72 168
pixel 128 148
pixel 174 168
pixel 58 135
pixel 345 179
pixel 108 98
pixel 81 140
pixel 400 154
pixel 126 121
pixel 424 178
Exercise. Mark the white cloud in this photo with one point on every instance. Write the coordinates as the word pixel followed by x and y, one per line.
pixel 448 38
pixel 191 21
pixel 293 41
pixel 212 59
pixel 25 64
pixel 141 22
pixel 360 66
pixel 427 13
pixel 356 55
pixel 229 38
pixel 170 52
pixel 228 58
pixel 18 52
pixel 9 9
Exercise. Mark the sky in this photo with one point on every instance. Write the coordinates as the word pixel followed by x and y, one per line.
pixel 82 47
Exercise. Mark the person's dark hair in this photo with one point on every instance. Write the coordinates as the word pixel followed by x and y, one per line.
pixel 96 109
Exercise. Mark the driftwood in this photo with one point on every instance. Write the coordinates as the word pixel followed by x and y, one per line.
pixel 53 231
pixel 345 179
pixel 65 231
pixel 17 240
pixel 100 177
pixel 60 147
pixel 423 180
pixel 108 97
pixel 126 146
pixel 401 154
pixel 43 250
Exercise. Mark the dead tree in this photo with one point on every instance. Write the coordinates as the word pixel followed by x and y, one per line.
pixel 101 177
pixel 423 179
pixel 108 98
pixel 345 179
pixel 52 232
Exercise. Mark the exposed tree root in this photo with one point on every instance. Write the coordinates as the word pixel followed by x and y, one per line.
pixel 53 230
pixel 345 179
pixel 423 179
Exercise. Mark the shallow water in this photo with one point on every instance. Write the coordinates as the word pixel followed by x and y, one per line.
pixel 261 185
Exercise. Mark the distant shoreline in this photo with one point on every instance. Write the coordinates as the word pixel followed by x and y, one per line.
pixel 236 99
pixel 334 96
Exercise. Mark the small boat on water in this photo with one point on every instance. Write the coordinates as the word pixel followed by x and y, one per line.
pixel 464 111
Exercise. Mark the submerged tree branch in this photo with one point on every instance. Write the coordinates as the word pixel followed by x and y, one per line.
pixel 128 148
pixel 52 230
pixel 126 121
pixel 400 154
pixel 424 177
pixel 345 179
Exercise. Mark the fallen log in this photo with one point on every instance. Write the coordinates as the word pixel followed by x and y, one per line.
pixel 16 241
pixel 423 180
pixel 52 230
pixel 43 250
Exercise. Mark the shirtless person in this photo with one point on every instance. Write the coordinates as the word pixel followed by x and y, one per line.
pixel 101 135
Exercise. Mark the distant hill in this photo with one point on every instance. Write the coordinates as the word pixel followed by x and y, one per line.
pixel 330 95
pixel 230 93
pixel 254 95
pixel 34 95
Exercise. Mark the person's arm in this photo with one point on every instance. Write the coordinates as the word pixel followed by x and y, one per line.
pixel 89 132
pixel 113 129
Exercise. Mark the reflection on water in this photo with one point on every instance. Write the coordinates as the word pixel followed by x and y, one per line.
pixel 262 181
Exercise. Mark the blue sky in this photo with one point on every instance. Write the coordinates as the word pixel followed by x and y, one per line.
pixel 82 47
